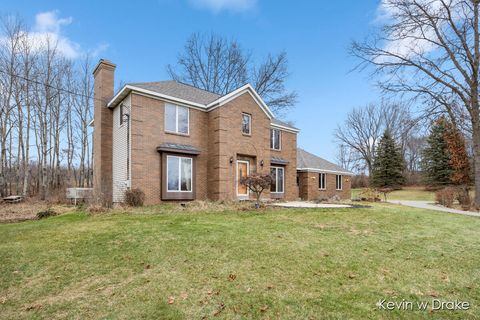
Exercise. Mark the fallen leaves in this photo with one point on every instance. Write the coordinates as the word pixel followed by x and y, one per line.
pixel 264 308
pixel 232 277
pixel 219 310
pixel 171 300
pixel 34 306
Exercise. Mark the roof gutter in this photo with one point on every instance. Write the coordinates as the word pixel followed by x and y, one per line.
pixel 346 173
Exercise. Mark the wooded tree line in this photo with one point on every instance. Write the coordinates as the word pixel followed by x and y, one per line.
pixel 428 51
pixel 45 110
pixel 391 147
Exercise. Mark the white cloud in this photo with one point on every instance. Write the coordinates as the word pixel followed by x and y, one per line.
pixel 48 30
pixel 50 22
pixel 408 42
pixel 48 27
pixel 227 5
pixel 102 47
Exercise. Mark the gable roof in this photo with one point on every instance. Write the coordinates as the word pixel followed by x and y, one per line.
pixel 179 90
pixel 283 125
pixel 307 161
pixel 238 92
pixel 175 91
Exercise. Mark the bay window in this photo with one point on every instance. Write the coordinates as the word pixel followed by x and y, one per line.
pixel 179 174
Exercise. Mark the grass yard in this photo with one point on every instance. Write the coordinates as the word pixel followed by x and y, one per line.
pixel 407 193
pixel 276 264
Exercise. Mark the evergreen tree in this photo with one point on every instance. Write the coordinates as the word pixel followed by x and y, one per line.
pixel 436 162
pixel 388 165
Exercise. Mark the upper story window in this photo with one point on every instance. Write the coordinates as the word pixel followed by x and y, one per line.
pixel 322 181
pixel 176 119
pixel 124 114
pixel 246 123
pixel 338 182
pixel 275 139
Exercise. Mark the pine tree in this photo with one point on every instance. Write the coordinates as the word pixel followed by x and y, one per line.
pixel 436 160
pixel 388 165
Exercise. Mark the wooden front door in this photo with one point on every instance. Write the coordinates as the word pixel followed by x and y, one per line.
pixel 242 171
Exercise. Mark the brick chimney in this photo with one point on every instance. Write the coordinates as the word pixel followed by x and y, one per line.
pixel 102 135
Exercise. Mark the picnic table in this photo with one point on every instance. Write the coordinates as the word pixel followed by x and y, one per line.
pixel 13 199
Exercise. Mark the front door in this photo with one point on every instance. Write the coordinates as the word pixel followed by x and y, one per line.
pixel 242 171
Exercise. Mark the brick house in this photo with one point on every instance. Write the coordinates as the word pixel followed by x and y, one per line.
pixel 178 142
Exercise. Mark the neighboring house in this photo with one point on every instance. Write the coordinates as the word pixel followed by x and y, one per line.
pixel 178 142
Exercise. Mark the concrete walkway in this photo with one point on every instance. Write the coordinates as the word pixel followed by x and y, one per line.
pixel 432 206
pixel 305 204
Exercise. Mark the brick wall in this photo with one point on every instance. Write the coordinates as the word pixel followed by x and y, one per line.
pixel 148 133
pixel 309 187
pixel 102 136
pixel 218 136
pixel 289 152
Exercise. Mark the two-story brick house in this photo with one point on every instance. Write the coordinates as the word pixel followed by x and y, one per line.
pixel 178 142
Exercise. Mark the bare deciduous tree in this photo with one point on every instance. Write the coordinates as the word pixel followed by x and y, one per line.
pixel 361 131
pixel 45 101
pixel 219 65
pixel 430 49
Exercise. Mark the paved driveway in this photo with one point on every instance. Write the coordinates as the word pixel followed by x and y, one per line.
pixel 306 204
pixel 433 206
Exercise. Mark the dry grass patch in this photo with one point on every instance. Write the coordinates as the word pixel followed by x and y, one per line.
pixel 28 209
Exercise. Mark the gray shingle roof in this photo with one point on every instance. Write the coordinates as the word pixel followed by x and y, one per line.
pixel 309 160
pixel 178 148
pixel 278 160
pixel 284 124
pixel 179 90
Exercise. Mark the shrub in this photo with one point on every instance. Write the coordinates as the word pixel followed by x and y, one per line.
pixel 46 213
pixel 257 183
pixel 134 197
pixel 464 198
pixel 370 195
pixel 445 196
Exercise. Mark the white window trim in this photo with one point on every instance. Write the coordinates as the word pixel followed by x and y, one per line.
pixel 320 178
pixel 180 174
pixel 279 139
pixel 336 182
pixel 249 124
pixel 276 180
pixel 176 119
pixel 237 178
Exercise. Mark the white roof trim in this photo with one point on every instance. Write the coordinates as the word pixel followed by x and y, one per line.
pixel 118 97
pixel 211 106
pixel 284 128
pixel 232 95
pixel 345 173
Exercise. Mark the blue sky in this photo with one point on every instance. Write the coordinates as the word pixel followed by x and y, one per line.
pixel 142 37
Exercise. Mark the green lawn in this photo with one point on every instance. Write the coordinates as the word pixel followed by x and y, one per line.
pixel 287 264
pixel 407 193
